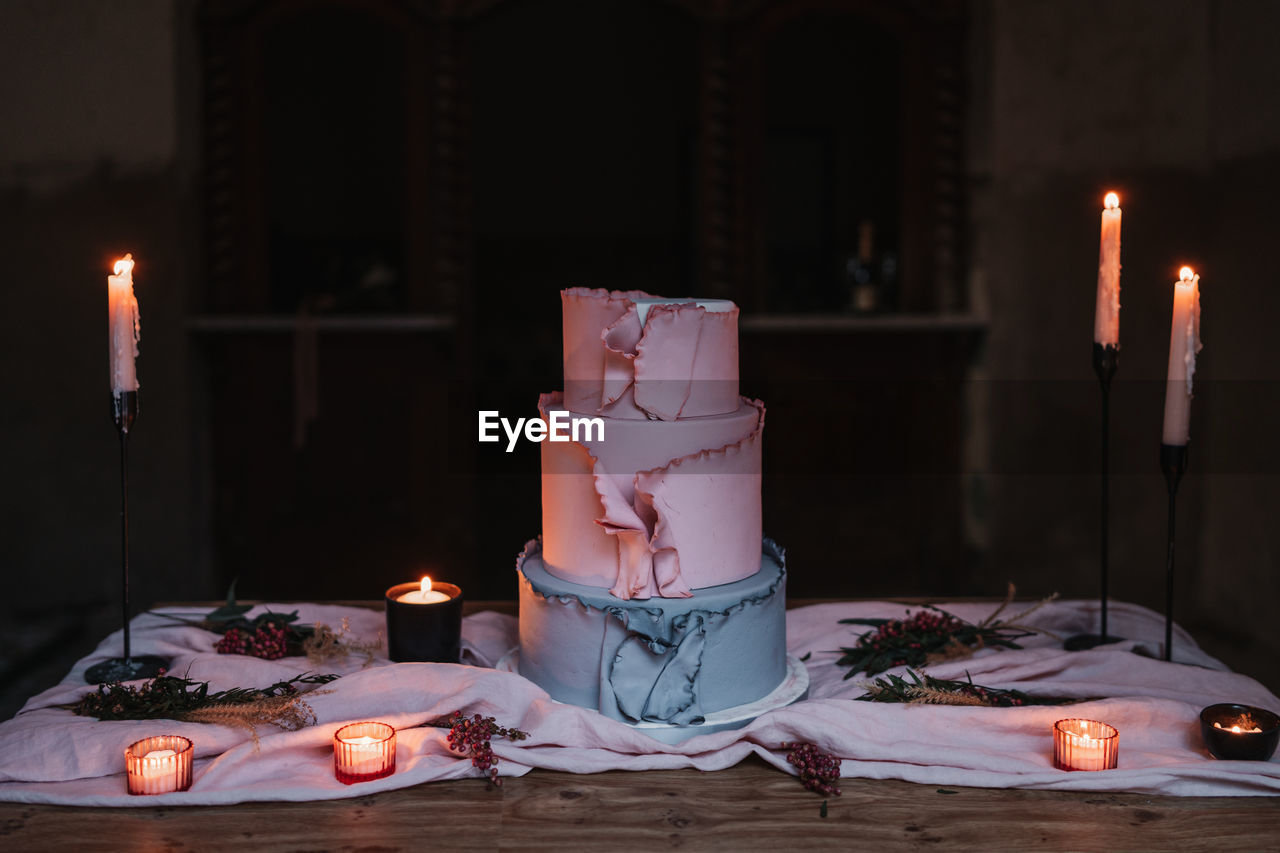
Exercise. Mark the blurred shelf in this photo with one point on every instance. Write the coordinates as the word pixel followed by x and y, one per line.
pixel 221 324
pixel 861 323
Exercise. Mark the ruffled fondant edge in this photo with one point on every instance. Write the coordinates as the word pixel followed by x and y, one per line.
pixel 580 293
pixel 675 586
pixel 658 316
pixel 769 548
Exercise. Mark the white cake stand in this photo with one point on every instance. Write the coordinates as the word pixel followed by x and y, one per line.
pixel 794 686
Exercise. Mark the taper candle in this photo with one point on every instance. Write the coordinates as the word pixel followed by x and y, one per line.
pixel 1106 312
pixel 123 326
pixel 1184 343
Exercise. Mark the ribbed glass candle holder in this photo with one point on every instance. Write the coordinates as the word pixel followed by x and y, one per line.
pixel 159 765
pixel 1085 745
pixel 363 752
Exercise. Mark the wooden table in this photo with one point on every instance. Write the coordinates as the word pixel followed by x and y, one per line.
pixel 748 807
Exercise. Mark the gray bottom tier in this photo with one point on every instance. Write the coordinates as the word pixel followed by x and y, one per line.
pixel 669 660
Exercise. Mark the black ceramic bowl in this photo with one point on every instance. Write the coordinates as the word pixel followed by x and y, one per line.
pixel 1239 746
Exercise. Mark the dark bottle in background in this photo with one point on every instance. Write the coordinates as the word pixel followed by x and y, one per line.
pixel 860 273
pixel 871 280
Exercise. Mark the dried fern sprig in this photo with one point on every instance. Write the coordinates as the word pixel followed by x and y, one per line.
pixel 325 646
pixel 927 690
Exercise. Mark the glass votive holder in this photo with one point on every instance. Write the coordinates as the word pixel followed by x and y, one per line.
pixel 363 752
pixel 1085 745
pixel 159 765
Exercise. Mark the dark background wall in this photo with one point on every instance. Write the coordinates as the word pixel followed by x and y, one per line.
pixel 967 445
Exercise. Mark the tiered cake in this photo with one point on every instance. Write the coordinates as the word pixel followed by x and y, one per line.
pixel 648 596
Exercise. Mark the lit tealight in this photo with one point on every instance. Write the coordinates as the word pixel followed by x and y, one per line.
pixel 159 765
pixel 1085 745
pixel 424 594
pixel 1237 730
pixel 363 752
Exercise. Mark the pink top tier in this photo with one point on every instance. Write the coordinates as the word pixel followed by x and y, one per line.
pixel 680 361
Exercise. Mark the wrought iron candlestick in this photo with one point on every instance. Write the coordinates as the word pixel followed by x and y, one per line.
pixel 1106 359
pixel 124 411
pixel 1173 461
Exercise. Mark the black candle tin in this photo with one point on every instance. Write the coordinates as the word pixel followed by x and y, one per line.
pixel 1239 746
pixel 429 633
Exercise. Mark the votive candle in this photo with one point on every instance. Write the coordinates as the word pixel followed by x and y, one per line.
pixel 363 752
pixel 424 622
pixel 159 765
pixel 1085 745
pixel 1240 732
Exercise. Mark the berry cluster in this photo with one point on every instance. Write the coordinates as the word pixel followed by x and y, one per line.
pixel 471 736
pixel 819 771
pixel 268 641
pixel 910 635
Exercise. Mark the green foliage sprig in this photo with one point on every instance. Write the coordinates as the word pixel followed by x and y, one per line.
pixel 930 635
pixel 174 698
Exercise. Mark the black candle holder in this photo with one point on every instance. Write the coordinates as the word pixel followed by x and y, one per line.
pixel 1173 461
pixel 1242 744
pixel 430 633
pixel 1106 360
pixel 124 411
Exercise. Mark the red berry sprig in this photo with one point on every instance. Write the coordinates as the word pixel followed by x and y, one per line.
pixel 472 735
pixel 268 641
pixel 234 642
pixel 819 771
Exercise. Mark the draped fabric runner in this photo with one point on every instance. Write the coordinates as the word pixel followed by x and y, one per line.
pixel 49 755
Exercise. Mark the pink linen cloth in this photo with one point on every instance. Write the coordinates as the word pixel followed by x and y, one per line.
pixel 49 755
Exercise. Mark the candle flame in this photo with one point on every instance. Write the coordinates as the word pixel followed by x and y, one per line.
pixel 426 584
pixel 124 266
pixel 1186 274
pixel 1239 728
pixel 1112 201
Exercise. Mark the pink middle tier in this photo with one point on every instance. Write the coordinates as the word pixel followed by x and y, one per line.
pixel 658 508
